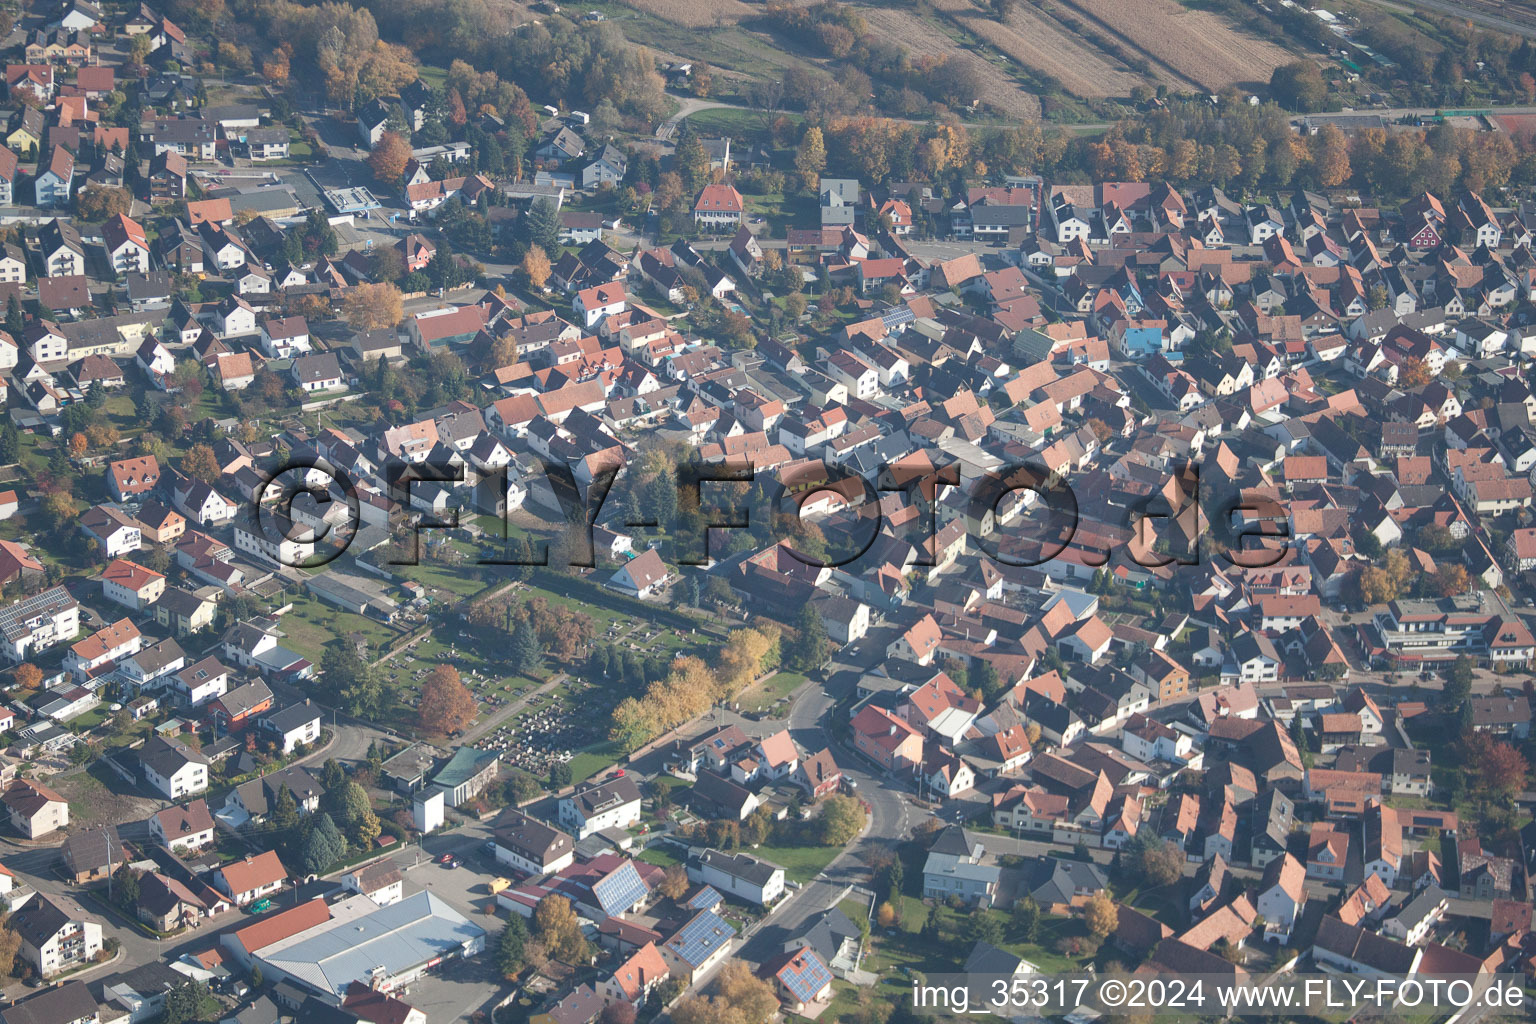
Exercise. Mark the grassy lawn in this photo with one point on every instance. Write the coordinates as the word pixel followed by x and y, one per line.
pixel 495 527
pixel 593 760
pixel 661 855
pixel 463 580
pixel 311 626
pixel 743 126
pixel 432 76
pixel 770 691
pixel 91 719
pixel 800 863
pixel 783 211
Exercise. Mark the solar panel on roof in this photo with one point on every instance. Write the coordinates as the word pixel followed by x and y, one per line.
pixel 899 315
pixel 805 976
pixel 705 898
pixel 622 889
pixel 700 937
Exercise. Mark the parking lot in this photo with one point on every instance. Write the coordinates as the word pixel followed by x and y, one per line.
pixel 457 989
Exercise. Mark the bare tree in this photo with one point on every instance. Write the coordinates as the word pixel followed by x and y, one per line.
pixel 766 96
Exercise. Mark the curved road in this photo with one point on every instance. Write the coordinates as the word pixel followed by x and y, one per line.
pixel 892 815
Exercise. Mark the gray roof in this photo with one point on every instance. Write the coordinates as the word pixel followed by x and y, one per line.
pixel 1415 910
pixel 740 865
pixel 69 1002
pixel 42 918
pixel 320 366
pixel 531 838
pixel 167 756
pixel 94 848
pixel 398 937
pixel 986 958
pixel 292 717
pixel 591 799
pixel 156 657
pixel 949 865
pixel 1054 880
pixel 242 699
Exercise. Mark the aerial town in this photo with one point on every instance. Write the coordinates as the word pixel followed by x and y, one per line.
pixel 722 513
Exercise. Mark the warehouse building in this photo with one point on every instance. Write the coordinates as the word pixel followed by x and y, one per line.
pixel 383 948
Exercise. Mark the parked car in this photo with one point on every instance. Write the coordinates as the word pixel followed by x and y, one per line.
pixel 261 906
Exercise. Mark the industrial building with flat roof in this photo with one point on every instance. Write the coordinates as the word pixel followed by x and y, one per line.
pixel 382 947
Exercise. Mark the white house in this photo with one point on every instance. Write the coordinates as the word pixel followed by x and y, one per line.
pixel 200 683
pixel 248 880
pixel 613 803
pixel 1282 894
pixel 293 725
pixel 380 881
pixel 126 244
pixel 642 576
pixel 56 934
pixel 531 846
pixel 285 337
pixel 183 828
pixel 738 874
pixel 234 317
pixel 592 305
pixel 173 769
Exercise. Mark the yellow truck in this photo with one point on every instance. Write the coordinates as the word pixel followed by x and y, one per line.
pixel 498 884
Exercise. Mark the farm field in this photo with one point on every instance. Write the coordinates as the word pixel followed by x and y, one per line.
pixel 1194 45
pixel 695 13
pixel 1091 49
pixel 1035 42
pixel 925 39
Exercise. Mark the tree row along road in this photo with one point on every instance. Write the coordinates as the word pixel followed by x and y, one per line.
pixel 689 106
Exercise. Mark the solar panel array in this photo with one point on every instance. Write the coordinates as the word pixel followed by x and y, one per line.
pixel 705 898
pixel 700 937
pixel 897 316
pixel 622 889
pixel 805 976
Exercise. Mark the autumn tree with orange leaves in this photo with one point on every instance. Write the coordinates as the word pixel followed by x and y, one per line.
pixel 447 706
pixel 389 157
